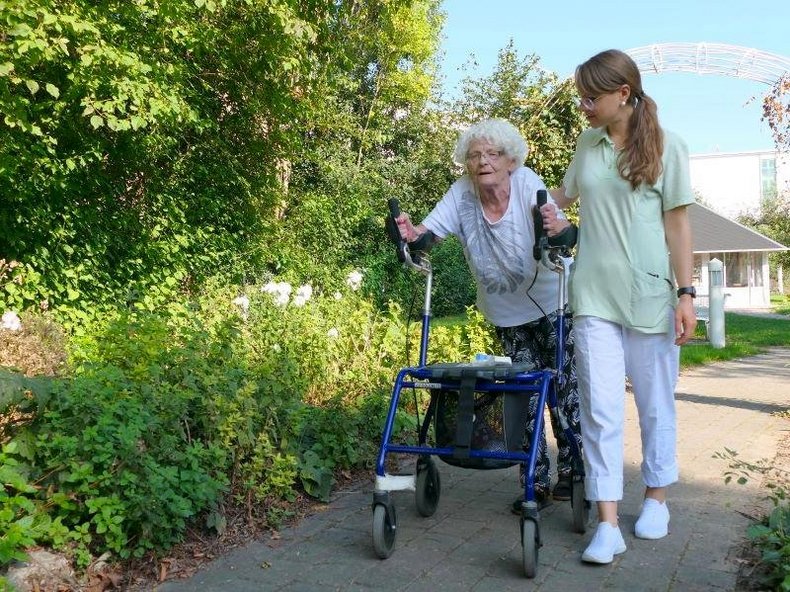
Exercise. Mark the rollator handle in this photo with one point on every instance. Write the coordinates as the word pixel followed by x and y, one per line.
pixel 392 229
pixel 541 240
pixel 394 207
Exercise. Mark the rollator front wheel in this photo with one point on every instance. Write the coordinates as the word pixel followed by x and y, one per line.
pixel 428 488
pixel 580 506
pixel 529 547
pixel 385 524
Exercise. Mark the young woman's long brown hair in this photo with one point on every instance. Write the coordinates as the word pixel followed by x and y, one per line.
pixel 640 160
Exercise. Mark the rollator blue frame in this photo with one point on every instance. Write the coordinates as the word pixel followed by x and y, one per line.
pixel 484 378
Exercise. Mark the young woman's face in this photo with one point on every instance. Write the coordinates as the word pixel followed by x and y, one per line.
pixel 488 165
pixel 605 108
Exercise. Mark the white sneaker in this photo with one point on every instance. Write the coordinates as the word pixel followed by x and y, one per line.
pixel 606 543
pixel 653 522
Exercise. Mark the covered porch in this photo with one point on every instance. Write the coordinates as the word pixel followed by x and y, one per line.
pixel 744 254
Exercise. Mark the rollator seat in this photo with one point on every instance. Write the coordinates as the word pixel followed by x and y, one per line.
pixel 457 371
pixel 471 419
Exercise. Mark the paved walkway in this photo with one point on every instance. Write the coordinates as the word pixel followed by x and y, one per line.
pixel 472 542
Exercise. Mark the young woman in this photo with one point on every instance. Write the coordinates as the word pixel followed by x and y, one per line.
pixel 630 289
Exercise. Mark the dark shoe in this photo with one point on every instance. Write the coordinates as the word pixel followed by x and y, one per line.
pixel 562 490
pixel 541 497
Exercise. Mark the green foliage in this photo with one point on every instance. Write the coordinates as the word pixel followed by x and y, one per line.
pixel 455 287
pixel 773 220
pixel 147 145
pixel 333 438
pixel 460 343
pixel 781 304
pixel 117 461
pixel 21 523
pixel 163 414
pixel 771 535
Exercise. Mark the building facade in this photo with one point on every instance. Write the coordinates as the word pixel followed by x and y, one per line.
pixel 728 185
pixel 735 183
pixel 743 253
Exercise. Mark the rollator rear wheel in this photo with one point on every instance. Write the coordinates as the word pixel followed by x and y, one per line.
pixel 580 506
pixel 529 547
pixel 384 530
pixel 428 488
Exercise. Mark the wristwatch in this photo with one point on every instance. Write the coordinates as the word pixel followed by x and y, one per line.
pixel 690 290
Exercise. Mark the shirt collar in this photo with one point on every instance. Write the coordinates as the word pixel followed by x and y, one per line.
pixel 599 135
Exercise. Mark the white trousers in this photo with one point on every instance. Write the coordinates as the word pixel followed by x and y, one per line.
pixel 606 353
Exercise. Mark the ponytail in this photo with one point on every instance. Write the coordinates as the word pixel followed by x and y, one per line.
pixel 640 161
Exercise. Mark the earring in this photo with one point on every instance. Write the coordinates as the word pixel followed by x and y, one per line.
pixel 622 103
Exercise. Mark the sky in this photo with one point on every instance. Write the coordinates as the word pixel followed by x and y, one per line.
pixel 713 113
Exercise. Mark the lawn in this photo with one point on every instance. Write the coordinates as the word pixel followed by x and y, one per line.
pixel 744 335
pixel 781 303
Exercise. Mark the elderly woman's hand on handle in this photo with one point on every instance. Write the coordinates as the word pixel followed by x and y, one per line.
pixel 408 231
pixel 552 224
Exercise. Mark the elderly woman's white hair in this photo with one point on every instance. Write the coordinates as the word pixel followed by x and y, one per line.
pixel 498 132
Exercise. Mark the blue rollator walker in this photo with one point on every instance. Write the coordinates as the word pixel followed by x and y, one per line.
pixel 464 409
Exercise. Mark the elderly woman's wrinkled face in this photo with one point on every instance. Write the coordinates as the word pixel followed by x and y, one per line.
pixel 487 164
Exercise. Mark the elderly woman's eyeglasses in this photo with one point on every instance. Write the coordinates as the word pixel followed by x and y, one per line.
pixel 490 156
pixel 588 102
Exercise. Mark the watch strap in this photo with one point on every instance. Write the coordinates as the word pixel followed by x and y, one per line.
pixel 690 290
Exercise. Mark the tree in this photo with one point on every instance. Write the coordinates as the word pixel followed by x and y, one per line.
pixel 134 136
pixel 773 221
pixel 146 145
pixel 776 111
pixel 538 102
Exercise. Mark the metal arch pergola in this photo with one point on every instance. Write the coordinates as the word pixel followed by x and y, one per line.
pixel 711 58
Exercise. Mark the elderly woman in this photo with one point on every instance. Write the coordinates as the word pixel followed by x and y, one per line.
pixel 490 209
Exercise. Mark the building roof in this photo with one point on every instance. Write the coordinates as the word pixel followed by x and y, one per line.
pixel 713 233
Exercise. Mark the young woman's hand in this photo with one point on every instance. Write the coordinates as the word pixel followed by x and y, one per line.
pixel 685 320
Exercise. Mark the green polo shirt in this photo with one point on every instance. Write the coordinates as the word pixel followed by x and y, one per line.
pixel 622 271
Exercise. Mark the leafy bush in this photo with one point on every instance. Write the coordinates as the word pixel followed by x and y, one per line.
pixel 258 392
pixel 454 285
pixel 22 523
pixel 770 536
pixel 117 462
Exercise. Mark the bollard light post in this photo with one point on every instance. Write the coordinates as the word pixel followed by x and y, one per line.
pixel 716 303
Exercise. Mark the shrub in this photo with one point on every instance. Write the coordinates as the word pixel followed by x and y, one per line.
pixel 239 390
pixel 22 523
pixel 770 536
pixel 118 465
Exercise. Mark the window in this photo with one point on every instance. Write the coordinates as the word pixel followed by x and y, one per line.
pixel 696 274
pixel 736 270
pixel 756 275
pixel 767 178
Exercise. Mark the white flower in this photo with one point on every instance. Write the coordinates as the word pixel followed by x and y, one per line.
pixel 280 292
pixel 338 296
pixel 333 333
pixel 11 321
pixel 276 348
pixel 242 302
pixel 354 280
pixel 303 294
